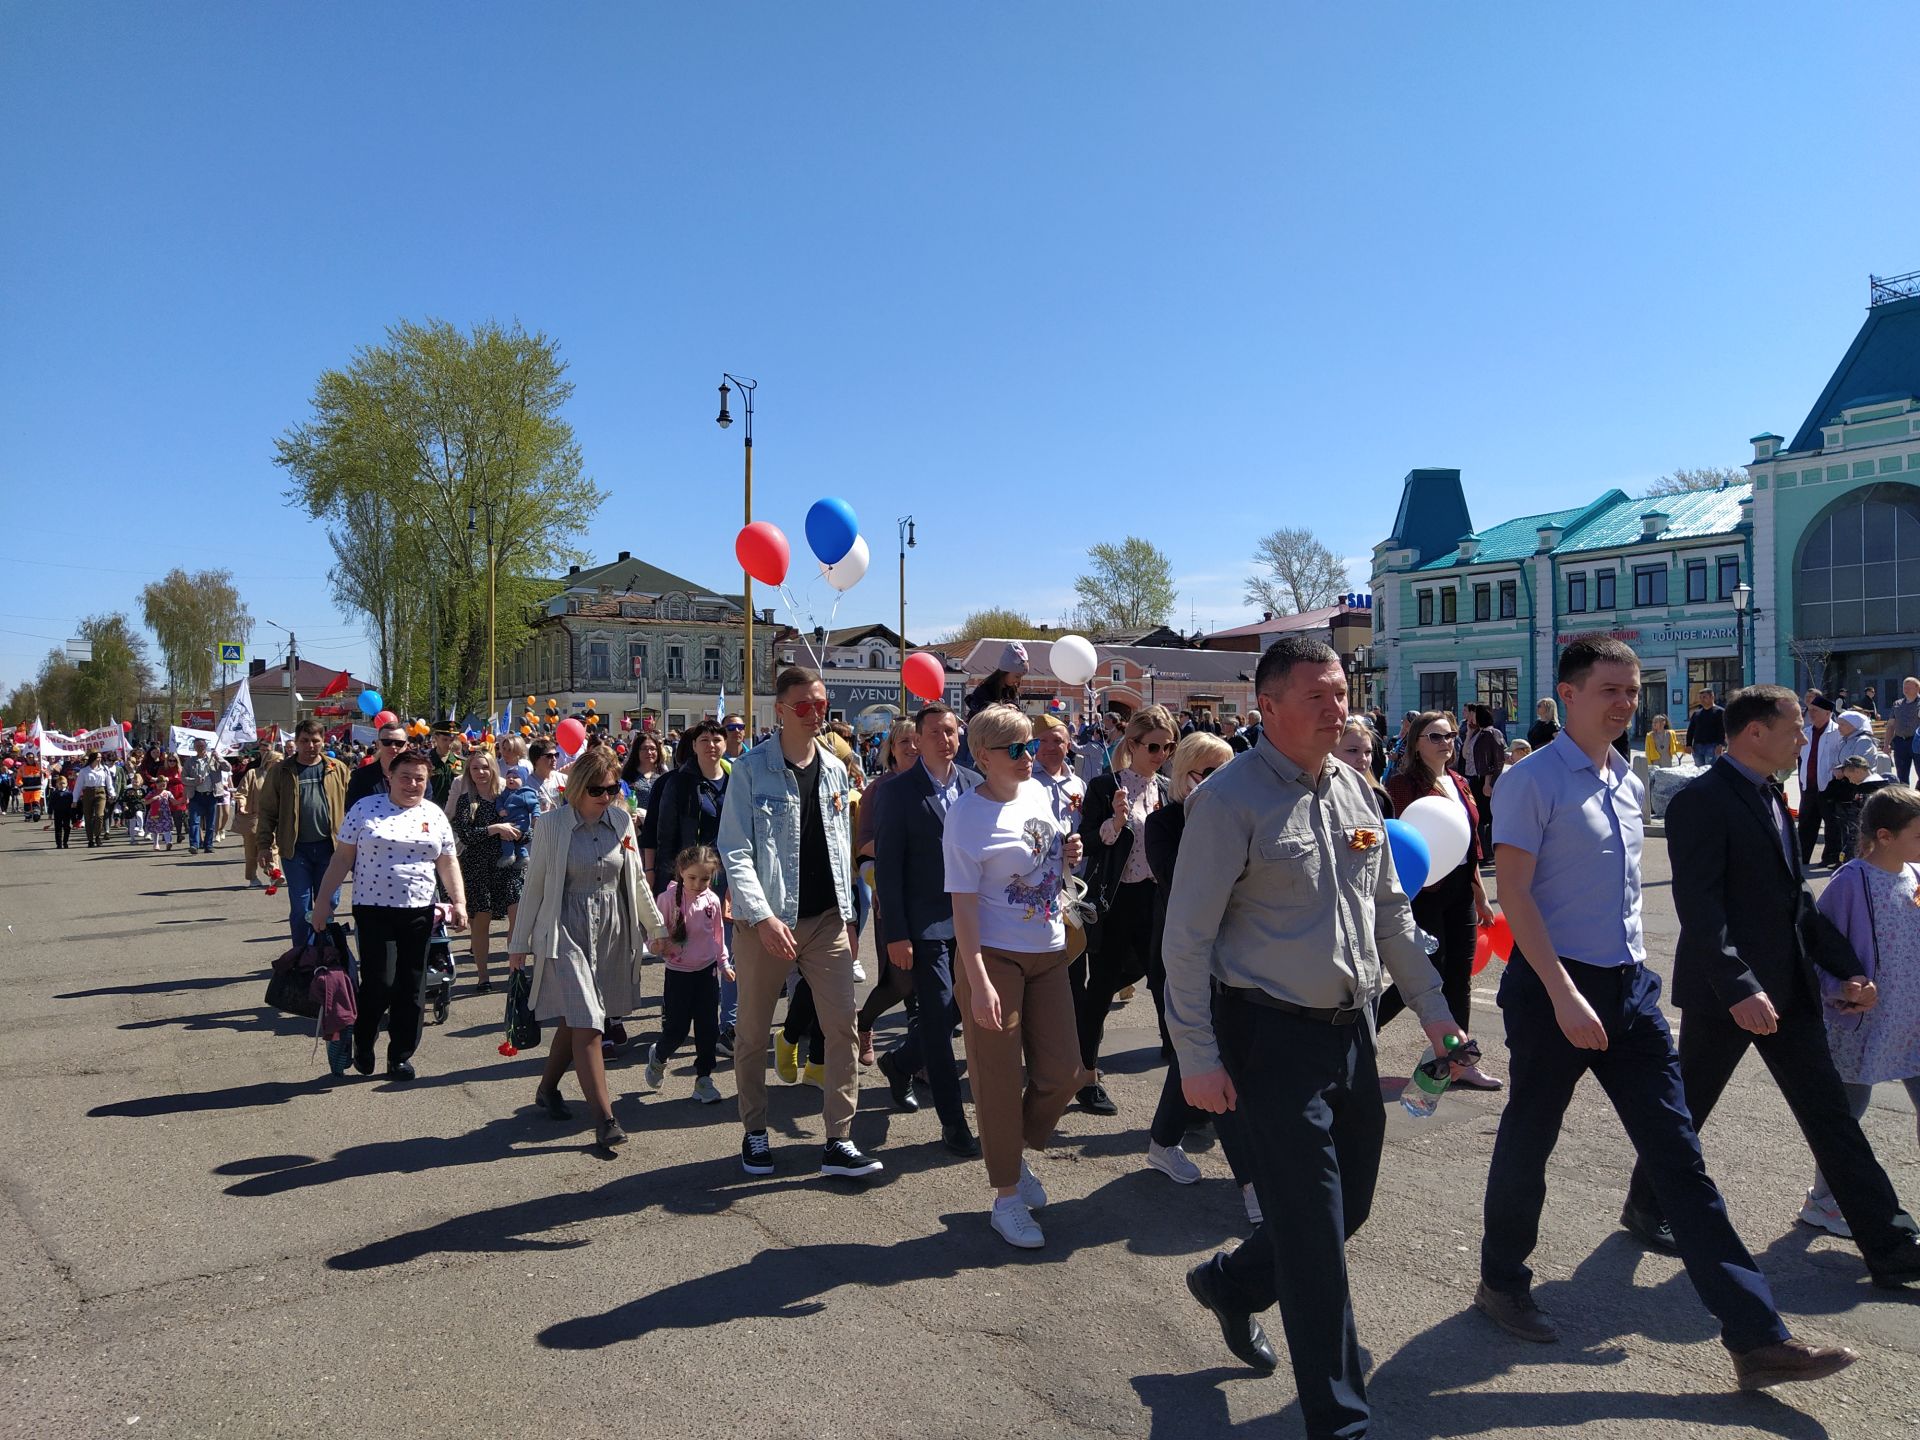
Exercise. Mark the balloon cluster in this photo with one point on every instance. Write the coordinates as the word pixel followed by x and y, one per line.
pixel 833 534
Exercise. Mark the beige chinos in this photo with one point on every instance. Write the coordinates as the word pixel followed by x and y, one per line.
pixel 825 959
pixel 1037 1016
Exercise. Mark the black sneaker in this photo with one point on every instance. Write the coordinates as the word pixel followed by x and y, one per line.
pixel 1095 1100
pixel 756 1156
pixel 723 1042
pixel 843 1157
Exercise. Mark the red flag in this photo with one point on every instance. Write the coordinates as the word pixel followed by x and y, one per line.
pixel 335 686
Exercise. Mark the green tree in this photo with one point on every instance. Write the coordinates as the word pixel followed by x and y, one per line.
pixel 994 624
pixel 1129 587
pixel 1707 477
pixel 111 684
pixel 429 455
pixel 189 615
pixel 1301 572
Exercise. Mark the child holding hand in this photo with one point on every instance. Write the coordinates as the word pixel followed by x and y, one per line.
pixel 696 954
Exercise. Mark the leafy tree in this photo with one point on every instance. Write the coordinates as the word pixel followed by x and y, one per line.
pixel 994 624
pixel 1129 587
pixel 1707 477
pixel 22 703
pixel 112 683
pixel 1301 573
pixel 190 615
pixel 426 454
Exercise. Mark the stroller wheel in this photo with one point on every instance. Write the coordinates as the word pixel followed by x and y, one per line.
pixel 440 1010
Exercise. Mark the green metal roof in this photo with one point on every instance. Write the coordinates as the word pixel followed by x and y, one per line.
pixel 1509 540
pixel 1690 516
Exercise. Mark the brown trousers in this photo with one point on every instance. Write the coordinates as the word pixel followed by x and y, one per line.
pixel 1037 1026
pixel 258 857
pixel 826 963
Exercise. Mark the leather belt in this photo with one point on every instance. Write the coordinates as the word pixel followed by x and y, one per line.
pixel 1256 996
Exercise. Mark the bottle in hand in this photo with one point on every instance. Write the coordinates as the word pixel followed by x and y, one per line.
pixel 1433 1075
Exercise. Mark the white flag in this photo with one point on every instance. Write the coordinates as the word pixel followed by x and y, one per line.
pixel 236 726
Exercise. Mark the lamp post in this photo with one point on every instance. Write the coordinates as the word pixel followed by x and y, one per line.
pixel 905 526
pixel 1747 621
pixel 723 419
pixel 1357 687
pixel 490 677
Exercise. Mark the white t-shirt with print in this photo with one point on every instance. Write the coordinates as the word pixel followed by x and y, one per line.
pixel 395 851
pixel 1010 855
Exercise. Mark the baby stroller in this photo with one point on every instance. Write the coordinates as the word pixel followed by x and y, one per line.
pixel 440 971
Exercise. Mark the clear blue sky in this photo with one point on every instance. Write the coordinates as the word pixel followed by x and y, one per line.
pixel 1041 275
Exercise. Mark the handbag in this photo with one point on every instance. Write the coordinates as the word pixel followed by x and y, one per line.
pixel 523 1031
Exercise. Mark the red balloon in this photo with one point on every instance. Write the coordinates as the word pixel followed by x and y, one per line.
pixel 126 727
pixel 572 735
pixel 763 552
pixel 924 676
pixel 1500 939
pixel 1482 947
pixel 384 719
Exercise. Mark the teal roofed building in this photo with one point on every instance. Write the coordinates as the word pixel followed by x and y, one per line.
pixel 1465 616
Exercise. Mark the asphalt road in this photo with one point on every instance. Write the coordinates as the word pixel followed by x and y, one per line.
pixel 200 1238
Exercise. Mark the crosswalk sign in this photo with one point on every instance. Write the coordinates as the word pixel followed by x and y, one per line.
pixel 232 653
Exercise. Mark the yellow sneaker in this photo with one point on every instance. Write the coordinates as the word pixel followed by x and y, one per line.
pixel 815 1075
pixel 786 1059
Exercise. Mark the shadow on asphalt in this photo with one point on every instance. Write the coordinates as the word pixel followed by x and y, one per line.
pixel 237 1097
pixel 165 987
pixel 251 1018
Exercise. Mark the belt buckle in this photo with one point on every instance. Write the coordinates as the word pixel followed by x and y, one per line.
pixel 1345 1015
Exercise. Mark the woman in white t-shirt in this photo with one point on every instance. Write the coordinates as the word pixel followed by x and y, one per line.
pixel 395 846
pixel 1008 855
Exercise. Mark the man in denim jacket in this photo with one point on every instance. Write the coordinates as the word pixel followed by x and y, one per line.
pixel 784 840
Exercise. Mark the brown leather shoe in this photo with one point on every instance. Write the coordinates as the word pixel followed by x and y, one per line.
pixel 1790 1360
pixel 1515 1313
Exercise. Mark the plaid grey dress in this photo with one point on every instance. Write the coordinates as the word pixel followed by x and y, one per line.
pixel 591 978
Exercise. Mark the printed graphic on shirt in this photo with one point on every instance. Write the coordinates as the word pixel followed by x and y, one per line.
pixel 1037 893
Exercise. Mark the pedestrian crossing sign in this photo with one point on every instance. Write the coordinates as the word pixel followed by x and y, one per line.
pixel 232 653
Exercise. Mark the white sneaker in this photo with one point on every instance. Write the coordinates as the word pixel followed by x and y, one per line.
pixel 656 1075
pixel 1172 1161
pixel 859 973
pixel 705 1091
pixel 1824 1215
pixel 1252 1202
pixel 1032 1193
pixel 1016 1225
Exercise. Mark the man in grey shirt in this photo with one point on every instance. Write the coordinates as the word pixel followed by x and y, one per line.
pixel 1284 909
pixel 1903 723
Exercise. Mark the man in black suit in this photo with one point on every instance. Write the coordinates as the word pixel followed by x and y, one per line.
pixel 916 917
pixel 371 779
pixel 1743 975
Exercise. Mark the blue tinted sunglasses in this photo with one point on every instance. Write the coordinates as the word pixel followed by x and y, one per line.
pixel 1028 748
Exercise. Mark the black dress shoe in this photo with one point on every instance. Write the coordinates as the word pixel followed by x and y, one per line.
pixel 1891 1270
pixel 550 1101
pixel 1650 1230
pixel 1095 1100
pixel 1238 1328
pixel 959 1140
pixel 1514 1312
pixel 401 1070
pixel 899 1083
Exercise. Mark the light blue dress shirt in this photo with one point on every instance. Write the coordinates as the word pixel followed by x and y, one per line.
pixel 1583 829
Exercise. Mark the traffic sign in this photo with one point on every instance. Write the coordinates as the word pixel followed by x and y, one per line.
pixel 232 653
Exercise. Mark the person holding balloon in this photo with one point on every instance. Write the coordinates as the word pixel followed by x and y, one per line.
pixel 1450 907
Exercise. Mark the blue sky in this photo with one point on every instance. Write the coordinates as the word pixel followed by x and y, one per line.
pixel 1040 275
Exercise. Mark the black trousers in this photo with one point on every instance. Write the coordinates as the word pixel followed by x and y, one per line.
pixel 1445 911
pixel 1711 1047
pixel 1173 1117
pixel 928 1043
pixel 1309 1126
pixel 1118 956
pixel 392 942
pixel 1813 808
pixel 891 987
pixel 802 1025
pixel 690 999
pixel 62 828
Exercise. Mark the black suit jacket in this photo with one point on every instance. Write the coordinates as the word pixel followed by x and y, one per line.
pixel 1747 920
pixel 909 867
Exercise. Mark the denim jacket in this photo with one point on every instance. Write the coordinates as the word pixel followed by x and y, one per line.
pixel 759 840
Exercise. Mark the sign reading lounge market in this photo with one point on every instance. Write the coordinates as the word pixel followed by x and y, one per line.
pixel 1666 635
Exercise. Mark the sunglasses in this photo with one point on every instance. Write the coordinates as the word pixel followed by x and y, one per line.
pixel 1154 747
pixel 1028 748
pixel 736 729
pixel 394 744
pixel 806 708
pixel 601 792
pixel 1202 774
pixel 1438 737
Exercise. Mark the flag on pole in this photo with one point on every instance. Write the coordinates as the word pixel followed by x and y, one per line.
pixel 720 711
pixel 236 727
pixel 335 686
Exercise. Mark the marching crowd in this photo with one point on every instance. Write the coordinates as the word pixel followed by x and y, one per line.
pixel 1016 878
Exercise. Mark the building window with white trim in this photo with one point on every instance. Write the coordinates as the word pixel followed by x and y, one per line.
pixel 1728 578
pixel 1483 602
pixel 1649 585
pixel 1603 590
pixel 1424 607
pixel 1440 690
pixel 1509 599
pixel 1449 605
pixel 1696 580
pixel 1576 594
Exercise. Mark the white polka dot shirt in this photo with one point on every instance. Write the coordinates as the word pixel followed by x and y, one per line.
pixel 395 851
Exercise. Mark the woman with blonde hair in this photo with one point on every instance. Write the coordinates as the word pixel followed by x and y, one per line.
pixel 1663 741
pixel 1119 882
pixel 492 888
pixel 584 914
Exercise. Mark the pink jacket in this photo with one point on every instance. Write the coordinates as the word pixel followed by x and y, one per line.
pixel 706 942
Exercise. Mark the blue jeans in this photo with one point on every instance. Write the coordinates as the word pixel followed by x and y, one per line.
pixel 1903 758
pixel 1706 754
pixel 305 868
pixel 1641 1075
pixel 200 810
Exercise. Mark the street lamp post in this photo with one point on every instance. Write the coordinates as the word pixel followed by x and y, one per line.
pixel 1747 619
pixel 905 526
pixel 723 419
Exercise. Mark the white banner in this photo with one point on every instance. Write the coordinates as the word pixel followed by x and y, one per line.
pixel 236 727
pixel 109 739
pixel 182 738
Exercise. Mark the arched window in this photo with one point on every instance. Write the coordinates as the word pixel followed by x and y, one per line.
pixel 1859 567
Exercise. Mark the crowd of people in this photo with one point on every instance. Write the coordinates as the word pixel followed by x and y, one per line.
pixel 1017 879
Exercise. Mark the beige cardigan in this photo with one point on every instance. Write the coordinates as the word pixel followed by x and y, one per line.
pixel 536 927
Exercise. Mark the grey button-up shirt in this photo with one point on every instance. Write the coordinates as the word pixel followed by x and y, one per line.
pixel 1285 883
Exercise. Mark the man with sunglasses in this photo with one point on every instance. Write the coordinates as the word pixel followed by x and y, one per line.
pixel 916 917
pixel 372 779
pixel 784 841
pixel 733 730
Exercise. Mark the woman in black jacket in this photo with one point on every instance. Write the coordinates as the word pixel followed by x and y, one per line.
pixel 1546 724
pixel 1120 882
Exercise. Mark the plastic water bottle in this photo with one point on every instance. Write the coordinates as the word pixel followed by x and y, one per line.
pixel 1431 1077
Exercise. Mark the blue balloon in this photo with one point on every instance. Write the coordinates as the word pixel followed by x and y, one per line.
pixel 1411 857
pixel 832 528
pixel 370 704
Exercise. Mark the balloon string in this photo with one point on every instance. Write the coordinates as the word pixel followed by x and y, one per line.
pixel 793 613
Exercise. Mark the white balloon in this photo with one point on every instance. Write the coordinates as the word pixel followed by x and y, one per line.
pixel 845 572
pixel 1443 825
pixel 1073 660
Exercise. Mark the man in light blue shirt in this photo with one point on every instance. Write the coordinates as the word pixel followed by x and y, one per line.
pixel 1577 996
